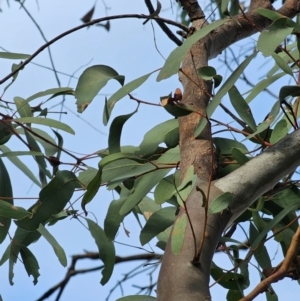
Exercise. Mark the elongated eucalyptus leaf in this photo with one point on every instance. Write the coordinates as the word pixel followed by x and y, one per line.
pixel 220 203
pixel 47 122
pixel 262 85
pixel 264 125
pixel 13 56
pixel 122 92
pixel 23 107
pixel 91 81
pixel 13 212
pixel 158 222
pixel 52 200
pixel 271 38
pixel 178 233
pixel 174 60
pixel 222 92
pixel 115 131
pixel 166 188
pixel 106 250
pixel 30 263
pixel 62 90
pixel 43 171
pixel 19 164
pixel 282 64
pixel 239 156
pixel 146 183
pixel 166 132
pixel 225 145
pixel 5 191
pixel 58 250
pixel 280 131
pixel 113 218
pixel 241 107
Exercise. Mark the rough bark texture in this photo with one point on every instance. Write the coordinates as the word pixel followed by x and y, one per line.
pixel 180 278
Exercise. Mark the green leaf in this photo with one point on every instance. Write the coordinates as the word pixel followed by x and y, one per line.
pixel 234 295
pixel 178 233
pixel 225 145
pixel 207 72
pixel 122 92
pixel 30 263
pixel 165 188
pixel 91 81
pixel 262 85
pixel 86 176
pixel 19 164
pixel 241 107
pixel 229 280
pixel 21 153
pixel 279 132
pixel 174 60
pixel 106 250
pixel 49 147
pixel 23 107
pixel 113 218
pixel 136 298
pixel 286 91
pixel 166 132
pixel 52 200
pixel 222 92
pixel 220 203
pixel 115 131
pixel 282 64
pixel 264 125
pixel 271 38
pixel 47 122
pixel 146 183
pixel 58 250
pixel 5 191
pixel 13 212
pixel 62 90
pixel 43 171
pixel 157 223
pixel 239 156
pixel 13 56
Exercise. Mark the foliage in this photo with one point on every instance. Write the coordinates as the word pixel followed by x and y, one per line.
pixel 145 177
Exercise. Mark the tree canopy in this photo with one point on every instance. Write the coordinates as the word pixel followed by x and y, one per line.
pixel 215 175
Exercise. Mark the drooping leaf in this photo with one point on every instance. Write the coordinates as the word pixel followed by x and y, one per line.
pixel 166 132
pixel 12 212
pixel 115 131
pixel 5 191
pixel 30 263
pixel 47 122
pixel 174 60
pixel 178 233
pixel 241 107
pixel 58 250
pixel 282 64
pixel 234 295
pixel 122 92
pixel 113 218
pixel 222 92
pixel 220 203
pixel 262 85
pixel 91 81
pixel 19 164
pixel 146 183
pixel 158 222
pixel 60 91
pixel 225 145
pixel 279 132
pixel 286 91
pixel 23 107
pixel 106 250
pixel 239 156
pixel 52 199
pixel 271 38
pixel 166 188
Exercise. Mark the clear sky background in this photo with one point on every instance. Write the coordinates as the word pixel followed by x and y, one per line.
pixel 129 48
